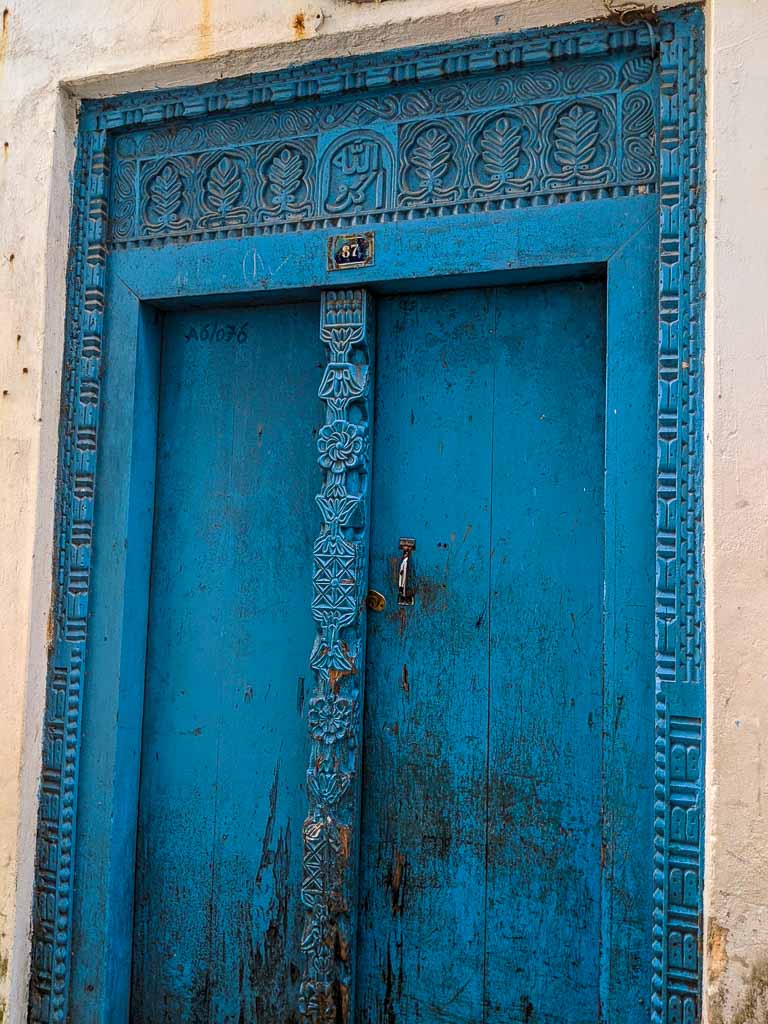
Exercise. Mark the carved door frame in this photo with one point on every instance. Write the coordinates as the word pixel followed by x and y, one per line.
pixel 555 148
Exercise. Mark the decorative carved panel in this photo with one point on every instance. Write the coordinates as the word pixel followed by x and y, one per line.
pixel 581 129
pixel 340 583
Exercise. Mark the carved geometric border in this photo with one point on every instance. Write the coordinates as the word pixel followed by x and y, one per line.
pixel 677 37
pixel 680 705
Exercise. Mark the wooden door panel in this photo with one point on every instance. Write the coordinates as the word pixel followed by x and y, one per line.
pixel 425 736
pixel 482 875
pixel 546 716
pixel 224 749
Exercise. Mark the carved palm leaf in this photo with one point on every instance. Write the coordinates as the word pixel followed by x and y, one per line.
pixel 500 149
pixel 165 193
pixel 225 185
pixel 576 135
pixel 431 155
pixel 284 175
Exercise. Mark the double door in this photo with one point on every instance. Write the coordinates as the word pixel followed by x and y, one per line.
pixel 500 814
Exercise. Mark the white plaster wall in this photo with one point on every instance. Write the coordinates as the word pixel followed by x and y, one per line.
pixel 52 52
pixel 736 523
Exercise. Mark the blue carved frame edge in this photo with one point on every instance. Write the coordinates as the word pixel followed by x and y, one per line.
pixel 677 36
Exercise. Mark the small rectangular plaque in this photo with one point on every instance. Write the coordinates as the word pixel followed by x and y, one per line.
pixel 346 251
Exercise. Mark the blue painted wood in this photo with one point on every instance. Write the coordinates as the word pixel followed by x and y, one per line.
pixel 489 826
pixel 90 737
pixel 122 538
pixel 106 855
pixel 629 577
pixel 339 576
pixel 224 747
pixel 422 914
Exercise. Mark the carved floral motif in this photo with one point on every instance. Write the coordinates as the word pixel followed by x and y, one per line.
pixel 330 718
pixel 429 163
pixel 284 190
pixel 340 445
pixel 333 718
pixel 165 197
pixel 225 193
pixel 505 156
pixel 507 136
pixel 579 145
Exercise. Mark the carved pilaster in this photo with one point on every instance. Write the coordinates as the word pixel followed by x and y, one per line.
pixel 338 658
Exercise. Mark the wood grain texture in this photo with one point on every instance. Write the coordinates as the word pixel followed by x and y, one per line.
pixel 483 833
pixel 221 805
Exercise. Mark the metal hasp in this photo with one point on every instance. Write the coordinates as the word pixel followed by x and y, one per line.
pixel 404 594
pixel 340 557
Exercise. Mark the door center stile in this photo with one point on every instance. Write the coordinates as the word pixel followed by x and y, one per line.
pixel 340 569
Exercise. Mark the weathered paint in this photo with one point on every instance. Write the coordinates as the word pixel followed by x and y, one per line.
pixel 489 890
pixel 221 802
pixel 432 170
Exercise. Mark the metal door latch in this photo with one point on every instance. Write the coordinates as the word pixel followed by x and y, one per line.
pixel 404 594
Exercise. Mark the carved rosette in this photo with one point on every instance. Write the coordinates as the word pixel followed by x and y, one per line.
pixel 337 660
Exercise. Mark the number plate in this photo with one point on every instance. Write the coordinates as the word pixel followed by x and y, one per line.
pixel 346 251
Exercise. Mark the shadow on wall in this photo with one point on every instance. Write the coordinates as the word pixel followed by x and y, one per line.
pixel 3 976
pixel 751 1006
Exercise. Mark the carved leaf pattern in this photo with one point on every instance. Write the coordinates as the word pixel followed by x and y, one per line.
pixel 576 135
pixel 500 149
pixel 636 71
pixel 166 192
pixel 284 175
pixel 225 185
pixel 431 156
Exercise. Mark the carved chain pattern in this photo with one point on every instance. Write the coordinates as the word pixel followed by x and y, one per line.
pixel 338 658
pixel 49 987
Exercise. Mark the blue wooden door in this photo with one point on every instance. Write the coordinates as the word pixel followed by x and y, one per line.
pixel 217 923
pixel 486 891
pixel 502 830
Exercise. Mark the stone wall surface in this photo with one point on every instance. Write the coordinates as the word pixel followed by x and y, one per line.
pixel 52 54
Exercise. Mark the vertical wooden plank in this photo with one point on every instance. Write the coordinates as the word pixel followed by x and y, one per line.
pixel 217 934
pixel 421 937
pixel 122 545
pixel 545 638
pixel 340 570
pixel 629 591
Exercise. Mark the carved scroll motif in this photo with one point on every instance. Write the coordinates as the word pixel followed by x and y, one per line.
pixel 338 658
